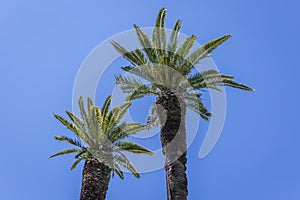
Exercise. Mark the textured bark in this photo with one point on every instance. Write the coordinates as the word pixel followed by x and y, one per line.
pixel 95 180
pixel 173 138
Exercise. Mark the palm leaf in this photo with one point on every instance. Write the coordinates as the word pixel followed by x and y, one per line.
pixel 76 120
pixel 69 140
pixel 117 169
pixel 147 44
pixel 133 148
pixel 77 161
pixel 73 128
pixel 206 49
pixel 186 46
pixel 105 106
pixel 99 116
pixel 125 130
pixel 134 57
pixel 124 162
pixel 159 32
pixel 173 41
pixel 117 114
pixel 86 118
pixel 233 84
pixel 67 151
pixel 200 109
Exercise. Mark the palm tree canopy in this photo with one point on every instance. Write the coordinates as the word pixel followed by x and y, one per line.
pixel 100 133
pixel 166 66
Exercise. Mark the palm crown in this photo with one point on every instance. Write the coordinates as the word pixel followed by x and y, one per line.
pixel 100 134
pixel 169 67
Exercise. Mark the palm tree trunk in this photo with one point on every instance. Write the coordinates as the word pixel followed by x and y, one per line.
pixel 171 113
pixel 95 180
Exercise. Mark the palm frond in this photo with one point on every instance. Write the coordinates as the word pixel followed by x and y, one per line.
pixel 76 120
pixel 142 60
pixel 117 170
pixel 159 32
pixel 88 121
pixel 186 46
pixel 173 41
pixel 197 106
pixel 147 44
pixel 67 151
pixel 69 140
pixel 99 115
pixel 125 130
pixel 128 84
pixel 231 83
pixel 105 106
pixel 213 79
pixel 134 87
pixel 134 57
pixel 143 71
pixel 133 148
pixel 73 128
pixel 116 114
pixel 95 127
pixel 124 162
pixel 206 49
pixel 77 161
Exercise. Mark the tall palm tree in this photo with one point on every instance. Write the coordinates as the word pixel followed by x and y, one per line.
pixel 170 74
pixel 99 141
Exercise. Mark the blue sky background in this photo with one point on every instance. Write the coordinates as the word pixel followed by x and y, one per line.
pixel 43 43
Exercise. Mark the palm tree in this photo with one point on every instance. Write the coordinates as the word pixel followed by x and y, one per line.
pixel 170 74
pixel 99 141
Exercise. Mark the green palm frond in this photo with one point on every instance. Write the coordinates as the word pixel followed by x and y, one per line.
pixel 213 79
pixel 84 153
pixel 140 93
pixel 144 71
pixel 86 118
pixel 198 107
pixel 95 126
pixel 133 147
pixel 125 130
pixel 77 161
pixel 124 162
pixel 201 79
pixel 76 120
pixel 159 32
pixel 134 57
pixel 129 84
pixel 134 87
pixel 114 116
pixel 186 47
pixel 67 151
pixel 117 169
pixel 105 106
pixel 69 140
pixel 173 41
pixel 140 56
pixel 73 128
pixel 206 49
pixel 231 83
pixel 147 44
pixel 99 116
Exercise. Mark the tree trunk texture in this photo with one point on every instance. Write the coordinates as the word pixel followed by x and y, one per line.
pixel 171 113
pixel 95 180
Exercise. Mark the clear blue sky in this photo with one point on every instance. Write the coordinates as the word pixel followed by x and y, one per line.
pixel 43 43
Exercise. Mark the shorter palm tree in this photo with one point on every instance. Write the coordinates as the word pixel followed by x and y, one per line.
pixel 99 141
